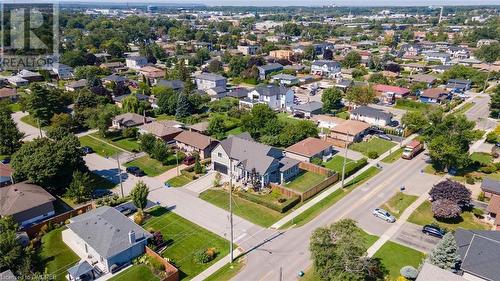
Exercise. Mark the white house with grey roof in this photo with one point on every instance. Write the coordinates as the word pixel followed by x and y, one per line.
pixel 105 237
pixel 372 116
pixel 205 81
pixel 327 68
pixel 276 97
pixel 244 159
pixel 269 68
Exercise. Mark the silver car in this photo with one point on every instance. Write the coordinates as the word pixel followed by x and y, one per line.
pixel 383 214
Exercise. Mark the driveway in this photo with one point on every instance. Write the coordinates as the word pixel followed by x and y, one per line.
pixel 29 131
pixel 201 184
pixel 411 235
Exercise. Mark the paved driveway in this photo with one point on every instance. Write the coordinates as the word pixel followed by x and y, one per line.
pixel 29 131
pixel 201 184
pixel 411 235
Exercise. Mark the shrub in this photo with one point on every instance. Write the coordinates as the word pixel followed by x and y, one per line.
pixel 469 179
pixel 316 161
pixel 139 217
pixel 481 196
pixel 409 272
pixel 446 209
pixel 488 169
pixel 478 213
pixel 155 265
pixel 372 154
pixel 491 137
pixel 130 132
pixel 205 256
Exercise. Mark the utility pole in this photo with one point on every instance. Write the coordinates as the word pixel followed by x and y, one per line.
pixel 119 172
pixel 345 160
pixel 281 273
pixel 177 160
pixel 231 210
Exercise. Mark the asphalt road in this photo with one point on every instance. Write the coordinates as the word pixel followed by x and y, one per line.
pixel 480 112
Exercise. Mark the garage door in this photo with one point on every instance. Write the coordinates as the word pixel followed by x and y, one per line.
pixel 221 168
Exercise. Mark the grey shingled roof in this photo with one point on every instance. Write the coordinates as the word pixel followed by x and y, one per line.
pixel 491 185
pixel 431 272
pixel 271 90
pixel 480 252
pixel 21 197
pixel 209 76
pixel 372 112
pixel 271 66
pixel 106 230
pixel 309 106
pixel 7 275
pixel 329 63
pixel 173 84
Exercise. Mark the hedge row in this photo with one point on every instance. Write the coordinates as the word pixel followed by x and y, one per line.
pixel 282 208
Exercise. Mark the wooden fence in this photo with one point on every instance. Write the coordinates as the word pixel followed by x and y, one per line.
pixel 315 169
pixel 172 273
pixel 311 191
pixel 33 230
pixel 286 191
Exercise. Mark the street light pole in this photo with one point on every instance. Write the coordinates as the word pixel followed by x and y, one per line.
pixel 119 172
pixel 231 211
pixel 177 161
pixel 345 160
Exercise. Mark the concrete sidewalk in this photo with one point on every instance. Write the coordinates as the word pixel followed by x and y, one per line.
pixel 335 187
pixel 216 266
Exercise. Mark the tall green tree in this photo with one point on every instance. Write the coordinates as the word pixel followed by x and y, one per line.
pixel 360 95
pixel 495 103
pixel 331 99
pixel 10 249
pixel 131 104
pixel 80 188
pixel 414 120
pixel 183 107
pixel 10 136
pixel 352 59
pixel 445 254
pixel 42 103
pixel 167 100
pixel 216 127
pixel 139 195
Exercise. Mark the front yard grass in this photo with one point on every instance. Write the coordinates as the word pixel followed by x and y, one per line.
pixel 55 256
pixel 304 181
pixel 184 240
pixel 135 272
pixel 394 156
pixel 394 256
pixel 251 211
pixel 28 119
pixel 179 181
pixel 150 166
pixel 129 144
pixel 464 108
pixel 375 144
pixel 228 271
pixel 412 105
pixel 423 215
pixel 98 146
pixel 398 203
pixel 336 163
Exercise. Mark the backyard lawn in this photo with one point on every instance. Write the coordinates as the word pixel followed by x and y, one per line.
pixel 398 203
pixel 423 215
pixel 253 212
pixel 305 181
pixel 179 181
pixel 150 166
pixel 412 105
pixel 55 256
pixel 235 131
pixel 336 163
pixel 375 144
pixel 184 240
pixel 98 146
pixel 483 158
pixel 393 157
pixel 136 272
pixel 394 256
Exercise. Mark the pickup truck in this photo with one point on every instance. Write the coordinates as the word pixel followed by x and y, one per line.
pixel 412 149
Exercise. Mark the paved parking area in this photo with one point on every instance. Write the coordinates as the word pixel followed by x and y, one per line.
pixel 411 235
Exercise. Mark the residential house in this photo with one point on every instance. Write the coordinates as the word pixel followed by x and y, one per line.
pixel 114 66
pixel 114 78
pixel 327 121
pixel 308 109
pixel 487 42
pixel 216 93
pixel 30 75
pixel 434 95
pixel 372 116
pixel 245 160
pixel 9 94
pixel 118 100
pixel 106 238
pixel 430 272
pixel 152 73
pixel 414 67
pixel 193 142
pixel 281 54
pixel 308 149
pixel 27 203
pixel 277 97
pixel 62 71
pixel 491 189
pixel 349 131
pixel 176 85
pixel 442 58
pixel 205 81
pixel 458 52
pixel 136 62
pixel 428 79
pixel 239 93
pixel 5 175
pixel 458 85
pixel 285 79
pixel 249 50
pixel 343 84
pixel 388 93
pixel 201 127
pixel 128 120
pixel 17 81
pixel 269 68
pixel 76 85
pixel 326 68
pixel 479 252
pixel 166 130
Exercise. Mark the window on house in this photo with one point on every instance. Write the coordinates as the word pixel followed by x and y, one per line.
pixel 219 154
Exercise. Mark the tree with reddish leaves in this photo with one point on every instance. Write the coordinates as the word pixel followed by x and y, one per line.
pixel 445 209
pixel 451 190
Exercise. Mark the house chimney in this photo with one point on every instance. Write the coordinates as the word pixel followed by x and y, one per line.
pixel 131 237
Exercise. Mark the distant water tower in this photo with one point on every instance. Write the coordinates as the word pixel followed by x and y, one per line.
pixel 152 9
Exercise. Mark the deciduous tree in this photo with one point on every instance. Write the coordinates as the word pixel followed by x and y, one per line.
pixel 331 99
pixel 10 136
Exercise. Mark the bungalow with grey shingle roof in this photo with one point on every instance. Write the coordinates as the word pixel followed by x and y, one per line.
pixel 269 68
pixel 308 109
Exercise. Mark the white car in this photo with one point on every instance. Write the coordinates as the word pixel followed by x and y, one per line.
pixel 383 214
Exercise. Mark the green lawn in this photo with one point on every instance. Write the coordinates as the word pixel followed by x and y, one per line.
pixel 483 158
pixel 235 131
pixel 394 256
pixel 98 146
pixel 336 163
pixel 150 166
pixel 343 115
pixel 253 212
pixel 464 108
pixel 412 105
pixel 228 271
pixel 129 144
pixel 135 272
pixel 331 199
pixel 285 117
pixel 185 239
pixel 15 107
pixel 179 181
pixel 398 203
pixel 394 156
pixel 55 256
pixel 304 181
pixel 28 119
pixel 165 117
pixel 423 215
pixel 375 144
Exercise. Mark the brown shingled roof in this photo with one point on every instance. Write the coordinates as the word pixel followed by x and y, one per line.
pixel 194 139
pixel 22 196
pixel 351 127
pixel 308 147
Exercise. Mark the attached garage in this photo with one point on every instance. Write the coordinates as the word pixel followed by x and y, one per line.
pixel 221 168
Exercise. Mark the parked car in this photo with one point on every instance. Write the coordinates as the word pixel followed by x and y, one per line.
pixel 433 230
pixel 383 214
pixel 189 160
pixel 385 137
pixel 6 160
pixel 87 150
pixel 136 171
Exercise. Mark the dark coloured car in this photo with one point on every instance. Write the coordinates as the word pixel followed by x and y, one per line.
pixel 136 171
pixel 189 160
pixel 433 230
pixel 6 160
pixel 87 150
